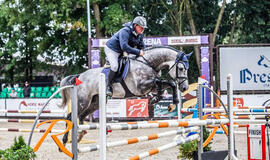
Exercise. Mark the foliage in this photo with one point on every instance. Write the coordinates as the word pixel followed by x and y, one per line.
pixel 56 31
pixel 254 23
pixel 18 151
pixel 187 150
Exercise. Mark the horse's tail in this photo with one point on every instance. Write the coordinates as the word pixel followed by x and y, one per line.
pixel 65 93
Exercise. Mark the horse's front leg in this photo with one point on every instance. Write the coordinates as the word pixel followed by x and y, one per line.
pixel 172 84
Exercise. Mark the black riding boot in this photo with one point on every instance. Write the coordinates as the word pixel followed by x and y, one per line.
pixel 111 75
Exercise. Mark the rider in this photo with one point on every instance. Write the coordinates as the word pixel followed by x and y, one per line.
pixel 125 40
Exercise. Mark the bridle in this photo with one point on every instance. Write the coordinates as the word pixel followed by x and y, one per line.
pixel 180 59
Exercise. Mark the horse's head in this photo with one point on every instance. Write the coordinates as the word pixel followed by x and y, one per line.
pixel 178 70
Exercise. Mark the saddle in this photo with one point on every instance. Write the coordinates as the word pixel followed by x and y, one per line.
pixel 124 63
pixel 122 71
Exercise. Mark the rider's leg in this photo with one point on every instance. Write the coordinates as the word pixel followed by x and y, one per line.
pixel 111 76
pixel 113 59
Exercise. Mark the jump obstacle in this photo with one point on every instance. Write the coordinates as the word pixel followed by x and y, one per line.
pixel 125 126
pixel 102 127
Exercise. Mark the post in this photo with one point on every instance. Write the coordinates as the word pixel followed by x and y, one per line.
pixel 230 107
pixel 102 116
pixel 89 33
pixel 200 103
pixel 179 105
pixel 74 115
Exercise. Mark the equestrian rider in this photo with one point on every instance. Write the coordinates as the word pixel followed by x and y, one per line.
pixel 125 40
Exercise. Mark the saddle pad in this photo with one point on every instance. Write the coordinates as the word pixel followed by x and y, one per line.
pixel 119 78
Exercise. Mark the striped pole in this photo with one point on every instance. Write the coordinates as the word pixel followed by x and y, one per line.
pixel 156 121
pixel 252 110
pixel 23 121
pixel 177 142
pixel 31 111
pixel 248 121
pixel 156 125
pixel 139 139
pixel 29 130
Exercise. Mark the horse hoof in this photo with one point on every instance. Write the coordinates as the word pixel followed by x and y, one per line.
pixel 171 107
pixel 84 132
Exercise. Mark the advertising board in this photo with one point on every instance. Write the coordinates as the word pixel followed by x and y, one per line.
pixel 249 66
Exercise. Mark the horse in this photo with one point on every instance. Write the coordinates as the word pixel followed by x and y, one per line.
pixel 143 77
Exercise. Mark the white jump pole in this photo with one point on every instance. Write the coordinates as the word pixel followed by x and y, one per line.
pixel 179 105
pixel 200 103
pixel 231 128
pixel 102 116
pixel 74 116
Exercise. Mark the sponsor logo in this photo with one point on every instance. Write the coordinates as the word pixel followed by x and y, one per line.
pixel 23 103
pixel 137 108
pixel 204 59
pixel 152 41
pixel 249 76
pixel 264 61
pixel 238 102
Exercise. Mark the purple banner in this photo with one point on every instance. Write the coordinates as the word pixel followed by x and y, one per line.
pixel 204 39
pixel 150 41
pixel 153 41
pixel 205 68
pixel 95 58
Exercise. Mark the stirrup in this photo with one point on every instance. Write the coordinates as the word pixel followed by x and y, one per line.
pixel 109 91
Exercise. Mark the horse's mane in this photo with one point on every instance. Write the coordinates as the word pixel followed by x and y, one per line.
pixel 155 47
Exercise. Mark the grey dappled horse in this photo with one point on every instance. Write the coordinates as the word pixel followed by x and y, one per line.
pixel 143 77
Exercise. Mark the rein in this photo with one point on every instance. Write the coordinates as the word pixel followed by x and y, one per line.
pixel 146 62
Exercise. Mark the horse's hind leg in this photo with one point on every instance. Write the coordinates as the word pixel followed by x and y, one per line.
pixel 81 119
pixel 90 109
pixel 65 137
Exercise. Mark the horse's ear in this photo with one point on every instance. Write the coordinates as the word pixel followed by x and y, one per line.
pixel 188 55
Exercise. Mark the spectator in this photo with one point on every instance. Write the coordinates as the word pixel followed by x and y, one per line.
pixel 26 90
pixel 13 93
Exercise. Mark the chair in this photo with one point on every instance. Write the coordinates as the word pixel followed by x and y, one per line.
pixel 5 90
pixel 19 90
pixel 39 89
pixel 20 95
pixel 43 95
pixel 32 95
pixel 38 95
pixel 10 90
pixel 3 95
pixel 33 89
pixel 53 89
pixel 46 89
pixel 49 94
pixel 58 95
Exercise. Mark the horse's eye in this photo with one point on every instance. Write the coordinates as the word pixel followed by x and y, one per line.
pixel 181 69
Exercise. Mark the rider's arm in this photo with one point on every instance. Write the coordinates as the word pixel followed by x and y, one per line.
pixel 123 39
pixel 142 45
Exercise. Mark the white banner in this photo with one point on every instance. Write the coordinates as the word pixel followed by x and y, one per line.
pixel 184 40
pixel 116 108
pixel 249 100
pixel 249 66
pixel 34 104
pixel 2 106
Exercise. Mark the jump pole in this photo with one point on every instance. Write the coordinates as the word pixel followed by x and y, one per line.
pixel 74 116
pixel 102 117
pixel 231 128
pixel 200 103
